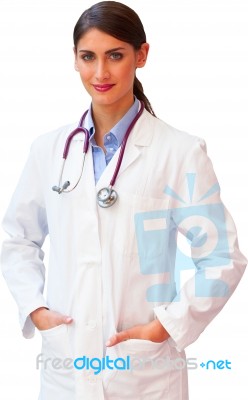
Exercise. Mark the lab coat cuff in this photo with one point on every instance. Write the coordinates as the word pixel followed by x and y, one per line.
pixel 175 340
pixel 27 325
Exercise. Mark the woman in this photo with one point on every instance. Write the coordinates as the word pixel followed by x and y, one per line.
pixel 113 310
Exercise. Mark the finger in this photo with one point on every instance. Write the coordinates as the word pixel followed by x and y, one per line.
pixel 60 318
pixel 118 338
pixel 65 319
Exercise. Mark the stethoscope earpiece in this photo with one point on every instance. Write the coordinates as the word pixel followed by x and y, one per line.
pixel 65 186
pixel 56 189
pixel 61 189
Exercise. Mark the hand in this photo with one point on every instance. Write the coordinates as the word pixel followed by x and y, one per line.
pixel 47 319
pixel 153 331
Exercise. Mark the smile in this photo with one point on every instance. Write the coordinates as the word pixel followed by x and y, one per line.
pixel 103 88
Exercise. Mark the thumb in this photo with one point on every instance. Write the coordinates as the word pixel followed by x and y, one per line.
pixel 60 318
pixel 65 319
pixel 117 338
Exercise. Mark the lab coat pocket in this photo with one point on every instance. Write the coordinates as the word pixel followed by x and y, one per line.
pixel 55 341
pixel 57 362
pixel 146 373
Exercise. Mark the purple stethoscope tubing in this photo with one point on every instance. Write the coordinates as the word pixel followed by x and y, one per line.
pixel 79 129
pixel 106 196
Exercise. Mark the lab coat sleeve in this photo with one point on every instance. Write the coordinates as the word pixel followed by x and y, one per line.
pixel 22 257
pixel 214 250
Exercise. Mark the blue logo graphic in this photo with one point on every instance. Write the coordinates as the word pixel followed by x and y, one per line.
pixel 204 228
pixel 100 364
pixel 220 364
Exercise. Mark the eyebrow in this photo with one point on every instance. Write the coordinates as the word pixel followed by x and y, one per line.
pixel 106 52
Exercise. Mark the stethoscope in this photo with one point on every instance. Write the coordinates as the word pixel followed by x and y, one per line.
pixel 106 196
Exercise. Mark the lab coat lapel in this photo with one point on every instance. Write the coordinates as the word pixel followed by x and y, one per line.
pixel 139 137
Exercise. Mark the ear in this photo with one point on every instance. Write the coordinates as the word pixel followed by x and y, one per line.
pixel 142 54
pixel 75 59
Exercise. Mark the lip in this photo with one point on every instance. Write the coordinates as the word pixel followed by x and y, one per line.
pixel 103 88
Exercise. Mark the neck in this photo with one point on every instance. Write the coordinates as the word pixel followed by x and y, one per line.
pixel 106 117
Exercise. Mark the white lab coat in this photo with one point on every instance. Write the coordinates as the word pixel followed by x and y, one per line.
pixel 99 271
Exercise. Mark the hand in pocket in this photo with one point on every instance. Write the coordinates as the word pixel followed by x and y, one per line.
pixel 44 318
pixel 153 331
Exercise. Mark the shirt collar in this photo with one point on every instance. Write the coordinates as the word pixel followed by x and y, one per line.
pixel 120 128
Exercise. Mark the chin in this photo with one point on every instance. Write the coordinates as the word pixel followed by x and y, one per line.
pixel 104 100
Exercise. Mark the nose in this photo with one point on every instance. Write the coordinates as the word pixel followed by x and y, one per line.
pixel 102 72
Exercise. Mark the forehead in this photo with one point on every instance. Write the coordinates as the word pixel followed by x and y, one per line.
pixel 96 40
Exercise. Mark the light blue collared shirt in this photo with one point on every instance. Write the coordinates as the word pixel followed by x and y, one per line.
pixel 112 139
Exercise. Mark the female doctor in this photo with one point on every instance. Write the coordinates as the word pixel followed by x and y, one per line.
pixel 112 192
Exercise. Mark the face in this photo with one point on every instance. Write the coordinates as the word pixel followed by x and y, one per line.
pixel 107 67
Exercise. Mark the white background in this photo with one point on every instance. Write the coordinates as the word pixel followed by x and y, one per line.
pixel 196 79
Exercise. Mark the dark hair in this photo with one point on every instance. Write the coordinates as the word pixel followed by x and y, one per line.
pixel 120 21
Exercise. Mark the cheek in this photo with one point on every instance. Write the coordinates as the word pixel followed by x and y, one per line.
pixel 85 74
pixel 128 72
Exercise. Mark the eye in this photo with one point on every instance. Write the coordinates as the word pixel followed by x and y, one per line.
pixel 116 56
pixel 87 57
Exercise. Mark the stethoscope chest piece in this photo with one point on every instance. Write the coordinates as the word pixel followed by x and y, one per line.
pixel 106 197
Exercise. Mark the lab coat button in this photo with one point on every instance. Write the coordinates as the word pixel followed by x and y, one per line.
pixel 91 324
